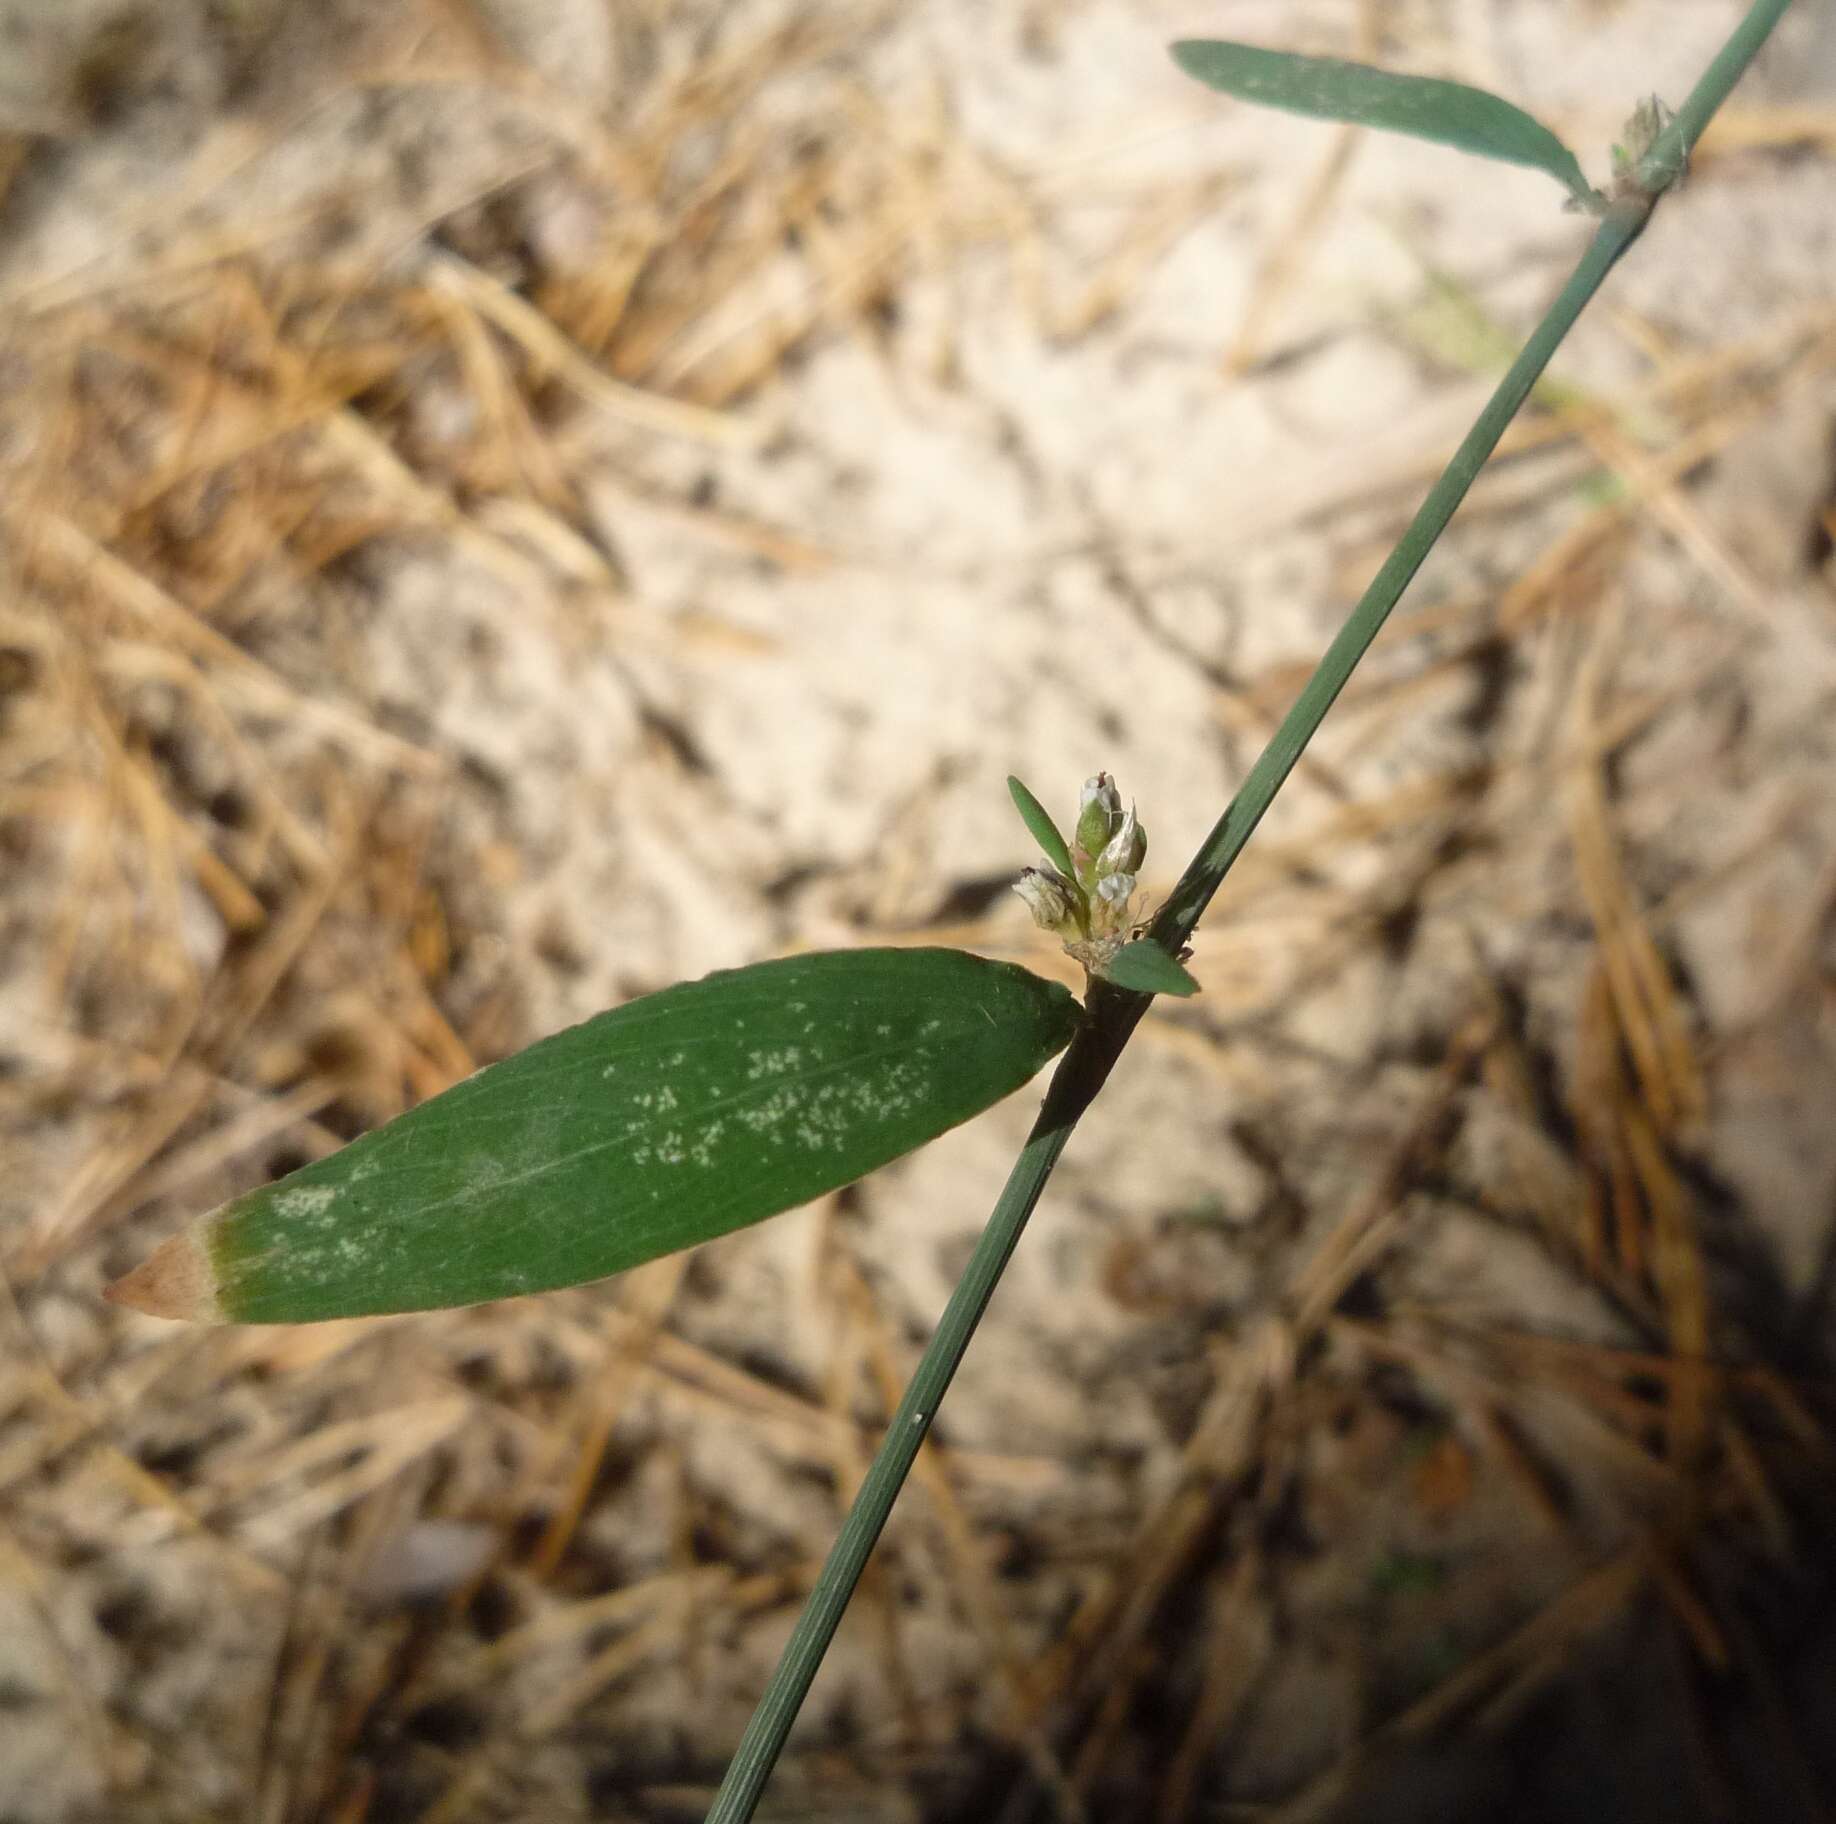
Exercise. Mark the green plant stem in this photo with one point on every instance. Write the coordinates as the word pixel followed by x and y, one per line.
pixel 1188 900
pixel 1111 1017
pixel 1623 223
pixel 1113 1013
pixel 1671 150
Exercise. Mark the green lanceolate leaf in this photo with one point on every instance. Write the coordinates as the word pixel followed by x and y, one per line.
pixel 679 1117
pixel 1045 832
pixel 1426 107
pixel 1145 967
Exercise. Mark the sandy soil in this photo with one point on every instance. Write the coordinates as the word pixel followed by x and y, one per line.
pixel 508 507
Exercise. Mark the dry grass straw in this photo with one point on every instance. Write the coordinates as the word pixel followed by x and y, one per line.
pixel 212 464
pixel 1676 1433
pixel 1624 1218
pixel 221 428
pixel 202 462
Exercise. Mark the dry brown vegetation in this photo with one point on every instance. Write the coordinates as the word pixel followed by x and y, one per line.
pixel 1422 1378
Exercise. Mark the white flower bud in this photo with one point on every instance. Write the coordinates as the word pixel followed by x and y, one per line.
pixel 1099 813
pixel 1100 789
pixel 1048 896
pixel 1126 850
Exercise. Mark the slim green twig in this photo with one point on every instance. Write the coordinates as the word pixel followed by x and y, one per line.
pixel 1111 1016
pixel 1622 225
pixel 1673 146
pixel 1113 1013
pixel 1201 880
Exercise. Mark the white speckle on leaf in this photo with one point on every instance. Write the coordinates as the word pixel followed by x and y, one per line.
pixel 702 1148
pixel 773 1063
pixel 766 1116
pixel 300 1202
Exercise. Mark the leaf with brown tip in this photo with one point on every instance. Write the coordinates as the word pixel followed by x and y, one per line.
pixel 661 1124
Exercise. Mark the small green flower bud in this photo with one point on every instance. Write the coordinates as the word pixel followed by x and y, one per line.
pixel 1049 897
pixel 1635 165
pixel 1099 814
pixel 1126 850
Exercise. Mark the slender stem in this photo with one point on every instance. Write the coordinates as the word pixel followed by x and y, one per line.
pixel 1111 1016
pixel 771 1722
pixel 1202 879
pixel 1624 221
pixel 1113 1013
pixel 1671 150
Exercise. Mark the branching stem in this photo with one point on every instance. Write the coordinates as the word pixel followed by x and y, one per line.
pixel 1113 1013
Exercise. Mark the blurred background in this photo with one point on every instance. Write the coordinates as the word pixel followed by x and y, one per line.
pixel 506 505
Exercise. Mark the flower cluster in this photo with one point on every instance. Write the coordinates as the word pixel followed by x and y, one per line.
pixel 1090 906
pixel 1648 160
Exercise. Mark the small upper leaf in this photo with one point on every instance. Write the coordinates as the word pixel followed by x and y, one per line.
pixel 1427 107
pixel 1045 831
pixel 663 1123
pixel 1147 968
